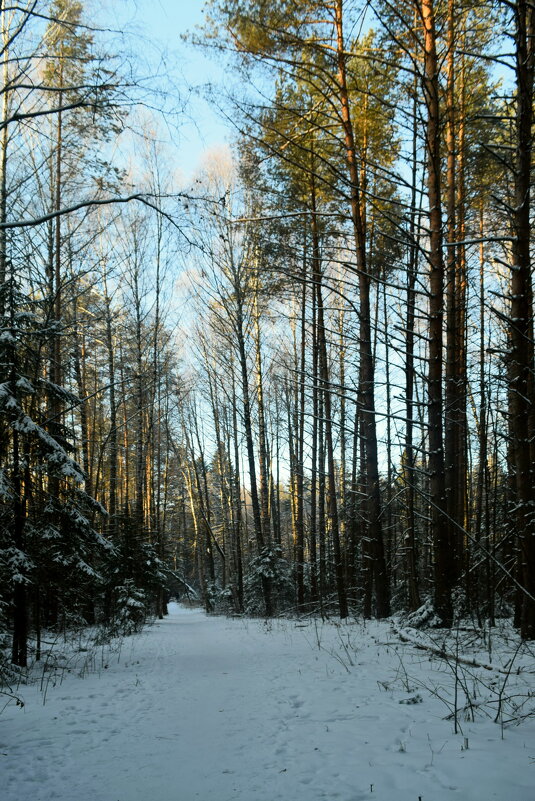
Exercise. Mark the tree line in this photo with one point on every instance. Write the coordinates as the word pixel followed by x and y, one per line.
pixel 87 369
pixel 340 417
pixel 384 213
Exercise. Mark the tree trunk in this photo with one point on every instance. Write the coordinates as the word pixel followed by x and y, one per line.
pixel 366 367
pixel 440 528
pixel 522 410
pixel 327 412
pixel 257 517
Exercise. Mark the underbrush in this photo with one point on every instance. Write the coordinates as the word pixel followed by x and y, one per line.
pixel 476 672
pixel 79 650
pixel 490 671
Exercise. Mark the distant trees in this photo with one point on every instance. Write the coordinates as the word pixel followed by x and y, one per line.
pixel 68 392
pixel 394 262
pixel 349 425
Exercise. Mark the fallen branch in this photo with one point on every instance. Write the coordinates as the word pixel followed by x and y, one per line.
pixel 404 636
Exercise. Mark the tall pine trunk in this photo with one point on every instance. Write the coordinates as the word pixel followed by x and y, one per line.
pixel 437 486
pixel 521 394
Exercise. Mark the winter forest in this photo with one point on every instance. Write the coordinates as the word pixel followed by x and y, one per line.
pixel 297 385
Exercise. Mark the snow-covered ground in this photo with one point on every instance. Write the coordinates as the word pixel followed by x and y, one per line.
pixel 201 708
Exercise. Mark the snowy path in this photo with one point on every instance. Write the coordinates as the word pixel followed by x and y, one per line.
pixel 210 709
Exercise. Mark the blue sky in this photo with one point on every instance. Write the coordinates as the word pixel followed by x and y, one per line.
pixel 156 27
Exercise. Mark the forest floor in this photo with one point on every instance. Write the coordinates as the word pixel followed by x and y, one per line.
pixel 199 708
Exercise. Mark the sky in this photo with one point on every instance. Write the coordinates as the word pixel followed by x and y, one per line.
pixel 154 29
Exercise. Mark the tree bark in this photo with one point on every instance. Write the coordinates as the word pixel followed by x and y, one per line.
pixel 522 410
pixel 367 367
pixel 437 486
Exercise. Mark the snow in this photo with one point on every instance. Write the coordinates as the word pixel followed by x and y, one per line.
pixel 19 564
pixel 5 487
pixel 24 385
pixel 200 708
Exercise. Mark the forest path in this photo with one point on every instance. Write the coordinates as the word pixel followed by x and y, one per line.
pixel 201 708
